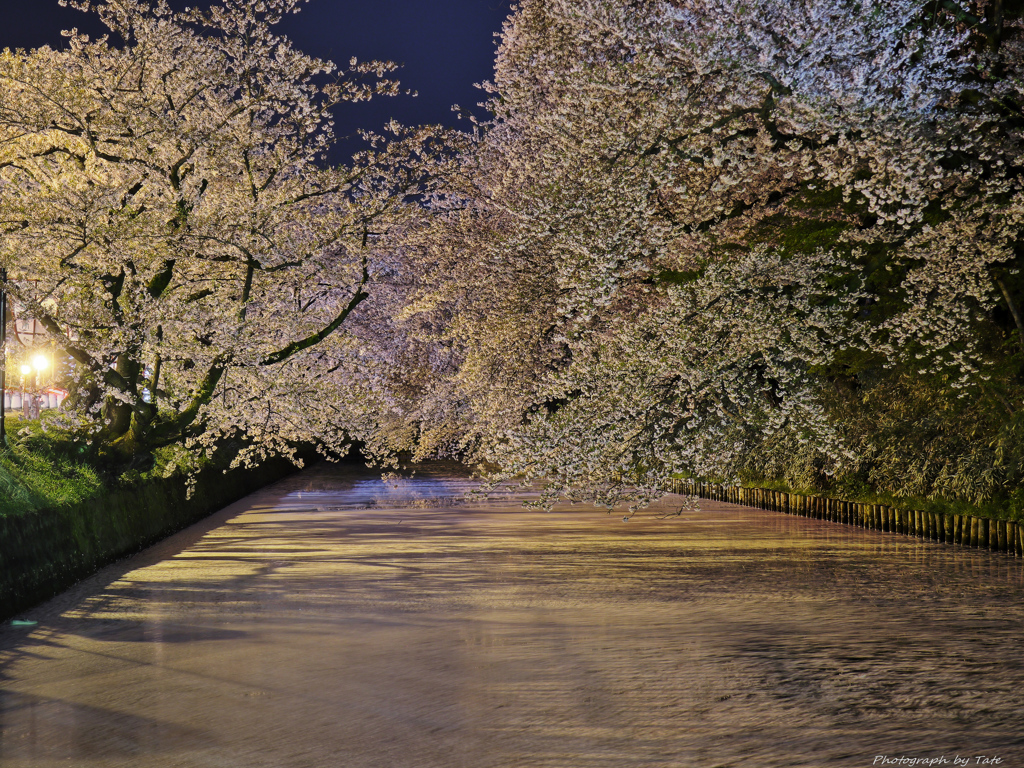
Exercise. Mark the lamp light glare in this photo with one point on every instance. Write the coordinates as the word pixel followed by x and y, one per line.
pixel 26 370
pixel 40 363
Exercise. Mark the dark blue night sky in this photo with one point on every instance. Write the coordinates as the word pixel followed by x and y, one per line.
pixel 444 45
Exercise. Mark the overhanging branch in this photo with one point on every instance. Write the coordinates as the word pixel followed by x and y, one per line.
pixel 310 341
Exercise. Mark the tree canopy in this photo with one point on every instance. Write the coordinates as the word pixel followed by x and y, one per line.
pixel 764 239
pixel 740 240
pixel 169 217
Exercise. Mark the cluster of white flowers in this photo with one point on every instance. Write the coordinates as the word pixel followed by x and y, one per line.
pixel 166 213
pixel 680 217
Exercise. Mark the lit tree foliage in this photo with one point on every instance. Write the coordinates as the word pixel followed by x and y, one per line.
pixel 167 212
pixel 732 239
pixel 708 237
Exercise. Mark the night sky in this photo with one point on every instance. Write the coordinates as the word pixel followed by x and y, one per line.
pixel 444 45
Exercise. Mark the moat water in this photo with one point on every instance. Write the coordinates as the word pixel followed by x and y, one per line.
pixel 335 619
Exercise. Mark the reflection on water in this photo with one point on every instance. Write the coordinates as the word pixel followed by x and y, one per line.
pixel 57 729
pixel 336 619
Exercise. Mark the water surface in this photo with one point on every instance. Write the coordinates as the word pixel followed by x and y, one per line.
pixel 334 619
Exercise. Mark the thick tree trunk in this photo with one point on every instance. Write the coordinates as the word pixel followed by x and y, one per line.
pixel 117 413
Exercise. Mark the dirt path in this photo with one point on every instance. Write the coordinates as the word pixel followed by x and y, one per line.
pixel 333 620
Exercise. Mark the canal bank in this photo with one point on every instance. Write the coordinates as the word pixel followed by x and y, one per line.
pixel 983 533
pixel 45 551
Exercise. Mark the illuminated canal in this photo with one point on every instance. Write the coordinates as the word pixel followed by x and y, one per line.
pixel 337 620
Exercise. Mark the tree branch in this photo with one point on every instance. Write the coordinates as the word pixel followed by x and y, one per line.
pixel 1013 309
pixel 175 426
pixel 360 295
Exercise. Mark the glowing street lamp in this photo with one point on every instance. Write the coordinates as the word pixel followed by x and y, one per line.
pixel 30 402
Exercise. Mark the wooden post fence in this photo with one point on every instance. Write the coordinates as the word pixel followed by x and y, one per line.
pixel 965 530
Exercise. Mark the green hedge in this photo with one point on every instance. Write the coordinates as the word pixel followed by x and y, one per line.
pixel 45 551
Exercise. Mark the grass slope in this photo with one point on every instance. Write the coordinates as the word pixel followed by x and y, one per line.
pixel 41 476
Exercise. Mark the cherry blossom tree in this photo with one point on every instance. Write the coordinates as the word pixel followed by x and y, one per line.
pixel 692 232
pixel 168 213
